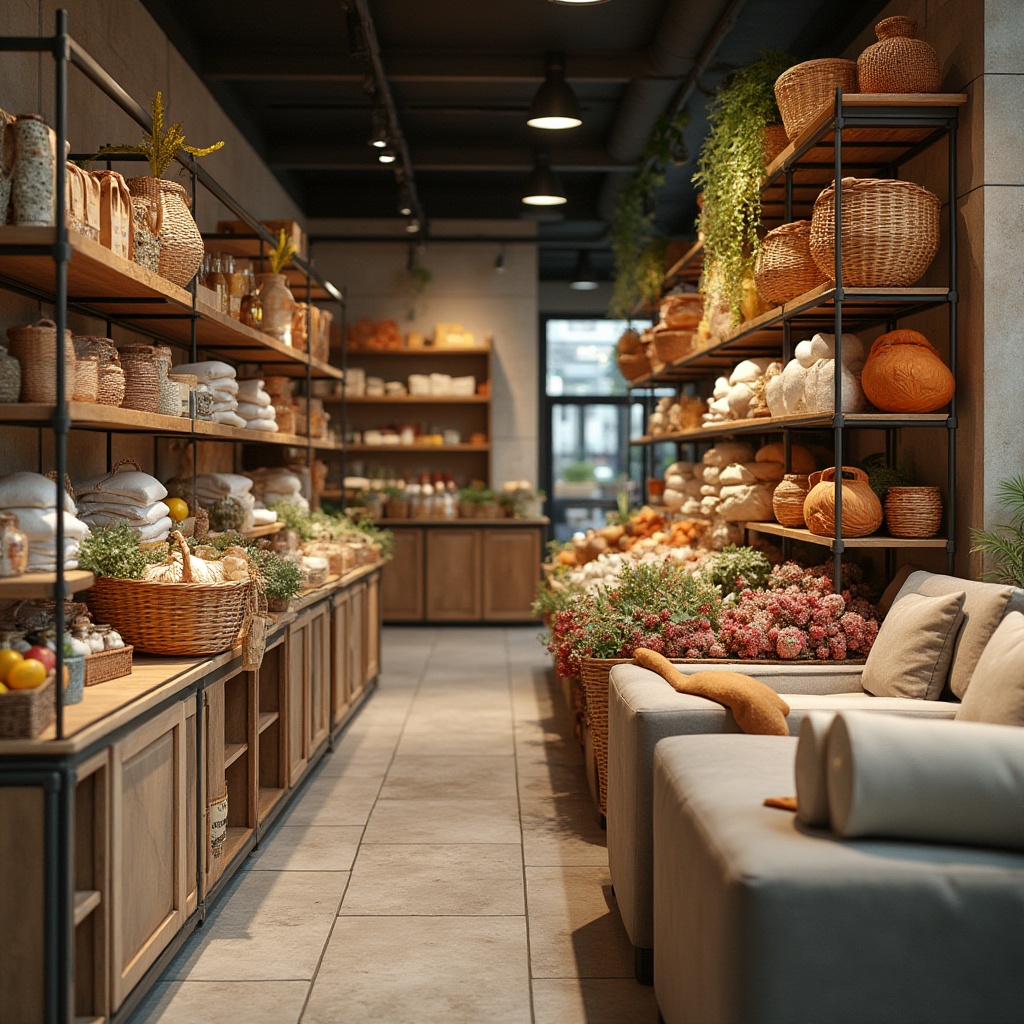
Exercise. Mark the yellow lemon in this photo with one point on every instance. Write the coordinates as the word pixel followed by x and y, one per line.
pixel 26 676
pixel 178 510
pixel 8 659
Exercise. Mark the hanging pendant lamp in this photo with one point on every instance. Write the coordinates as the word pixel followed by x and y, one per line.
pixel 543 188
pixel 584 279
pixel 554 105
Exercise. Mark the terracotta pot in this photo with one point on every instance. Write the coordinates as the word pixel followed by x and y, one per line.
pixel 278 304
pixel 181 244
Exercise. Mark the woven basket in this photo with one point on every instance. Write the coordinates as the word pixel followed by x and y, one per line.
pixel 898 62
pixel 785 267
pixel 397 508
pixel 673 345
pixel 87 378
pixel 10 377
pixel 146 222
pixel 775 141
pixel 142 378
pixel 634 366
pixel 176 619
pixel 181 244
pixel 594 673
pixel 805 90
pixel 890 232
pixel 788 499
pixel 913 511
pixel 110 376
pixel 682 312
pixel 35 347
pixel 24 714
pixel 106 665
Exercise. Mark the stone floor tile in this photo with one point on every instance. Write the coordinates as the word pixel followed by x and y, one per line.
pixel 563 830
pixel 269 926
pixel 335 800
pixel 308 848
pixel 355 761
pixel 593 1001
pixel 480 778
pixel 478 743
pixel 575 928
pixel 255 1002
pixel 451 879
pixel 458 820
pixel 427 970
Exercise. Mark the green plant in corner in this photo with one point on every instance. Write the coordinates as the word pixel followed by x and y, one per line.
pixel 159 145
pixel 578 473
pixel 730 170
pixel 1003 546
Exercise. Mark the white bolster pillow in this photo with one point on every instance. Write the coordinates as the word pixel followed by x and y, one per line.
pixel 810 768
pixel 933 781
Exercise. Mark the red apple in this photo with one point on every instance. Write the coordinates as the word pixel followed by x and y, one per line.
pixel 43 654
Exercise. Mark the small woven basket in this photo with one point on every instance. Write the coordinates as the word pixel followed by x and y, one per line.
pixel 806 89
pixel 775 141
pixel 673 345
pixel 788 499
pixel 142 378
pixel 634 366
pixel 176 619
pixel 285 416
pixel 24 714
pixel 110 376
pixel 87 378
pixel 913 511
pixel 106 665
pixel 10 377
pixel 785 267
pixel 890 232
pixel 35 347
pixel 396 508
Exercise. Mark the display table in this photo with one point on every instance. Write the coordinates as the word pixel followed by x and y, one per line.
pixel 463 570
pixel 117 837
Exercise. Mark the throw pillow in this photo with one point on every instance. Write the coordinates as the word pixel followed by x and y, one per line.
pixel 996 693
pixel 757 708
pixel 811 769
pixel 911 655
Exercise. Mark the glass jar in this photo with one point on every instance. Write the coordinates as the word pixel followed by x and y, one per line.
pixel 13 546
pixel 235 277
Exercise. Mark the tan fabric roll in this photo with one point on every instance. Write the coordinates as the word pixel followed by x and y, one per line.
pixel 936 781
pixel 810 768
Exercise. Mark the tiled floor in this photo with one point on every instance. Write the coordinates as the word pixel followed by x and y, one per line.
pixel 443 866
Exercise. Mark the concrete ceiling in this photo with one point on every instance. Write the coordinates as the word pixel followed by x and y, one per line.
pixel 463 73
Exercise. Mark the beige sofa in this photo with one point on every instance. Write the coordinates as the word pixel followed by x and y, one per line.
pixel 643 709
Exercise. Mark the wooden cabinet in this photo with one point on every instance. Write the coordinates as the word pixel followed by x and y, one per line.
pixel 92 888
pixel 319 671
pixel 372 626
pixel 298 703
pixel 453 575
pixel 148 856
pixel 309 686
pixel 356 641
pixel 511 569
pixel 271 770
pixel 402 578
pixel 341 684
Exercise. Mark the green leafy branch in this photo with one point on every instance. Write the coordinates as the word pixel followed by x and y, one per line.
pixel 1004 545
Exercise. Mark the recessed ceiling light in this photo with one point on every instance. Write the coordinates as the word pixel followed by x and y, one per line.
pixel 543 188
pixel 386 155
pixel 554 106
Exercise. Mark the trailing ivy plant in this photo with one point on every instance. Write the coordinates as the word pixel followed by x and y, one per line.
pixel 730 170
pixel 639 256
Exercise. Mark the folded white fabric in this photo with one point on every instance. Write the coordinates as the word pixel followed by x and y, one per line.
pixel 263 517
pixel 255 411
pixel 32 490
pixel 810 769
pixel 932 781
pixel 207 370
pixel 223 485
pixel 115 511
pixel 253 391
pixel 160 530
pixel 40 524
pixel 141 487
pixel 270 426
pixel 232 419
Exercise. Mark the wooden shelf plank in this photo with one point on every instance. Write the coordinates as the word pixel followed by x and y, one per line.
pixel 232 752
pixel 234 841
pixel 419 448
pixel 414 400
pixel 86 901
pixel 267 719
pixel 687 262
pixel 40 585
pixel 872 541
pixel 269 799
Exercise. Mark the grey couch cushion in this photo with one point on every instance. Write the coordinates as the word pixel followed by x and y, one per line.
pixel 643 708
pixel 996 693
pixel 759 919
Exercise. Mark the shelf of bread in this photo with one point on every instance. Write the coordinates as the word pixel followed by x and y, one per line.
pixel 39 585
pixel 418 448
pixel 417 400
pixel 871 541
pixel 813 311
pixel 817 421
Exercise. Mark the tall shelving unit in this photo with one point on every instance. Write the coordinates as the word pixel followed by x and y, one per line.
pixel 866 135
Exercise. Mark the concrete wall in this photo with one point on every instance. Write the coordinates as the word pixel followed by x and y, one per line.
pixel 467 289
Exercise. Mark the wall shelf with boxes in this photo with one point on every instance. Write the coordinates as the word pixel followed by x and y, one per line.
pixel 858 134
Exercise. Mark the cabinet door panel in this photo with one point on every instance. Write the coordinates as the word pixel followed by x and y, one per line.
pixel 453 575
pixel 319 677
pixel 356 640
pixel 511 569
pixel 298 707
pixel 372 627
pixel 341 683
pixel 402 578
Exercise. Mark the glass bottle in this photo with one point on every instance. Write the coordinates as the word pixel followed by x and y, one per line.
pixel 236 286
pixel 251 308
pixel 13 546
pixel 217 282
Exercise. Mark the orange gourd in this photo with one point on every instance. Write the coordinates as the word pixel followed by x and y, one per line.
pixel 905 373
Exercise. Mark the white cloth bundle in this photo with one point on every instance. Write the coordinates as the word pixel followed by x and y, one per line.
pixel 255 411
pixel 263 517
pixel 32 490
pixel 40 525
pixel 252 390
pixel 206 371
pixel 223 485
pixel 160 530
pixel 270 426
pixel 140 487
pixel 228 416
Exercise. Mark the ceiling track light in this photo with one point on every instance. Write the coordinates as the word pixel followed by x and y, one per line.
pixel 379 136
pixel 554 105
pixel 543 187
pixel 583 278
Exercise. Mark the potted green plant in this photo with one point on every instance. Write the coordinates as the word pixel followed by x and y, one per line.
pixel 730 170
pixel 181 245
pixel 282 578
pixel 577 480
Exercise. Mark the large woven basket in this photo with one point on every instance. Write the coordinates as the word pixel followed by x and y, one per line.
pixel 177 619
pixel 634 366
pixel 806 89
pixel 890 232
pixel 141 378
pixel 594 673
pixel 87 378
pixel 181 244
pixel 35 347
pixel 898 62
pixel 913 511
pixel 788 499
pixel 785 267
pixel 673 345
pixel 775 141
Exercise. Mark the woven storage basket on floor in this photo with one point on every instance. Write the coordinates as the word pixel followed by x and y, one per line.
pixel 106 665
pixel 141 378
pixel 24 714
pixel 913 511
pixel 633 366
pixel 788 499
pixel 806 89
pixel 898 62
pixel 35 347
pixel 785 267
pixel 594 673
pixel 673 345
pixel 775 141
pixel 177 619
pixel 890 232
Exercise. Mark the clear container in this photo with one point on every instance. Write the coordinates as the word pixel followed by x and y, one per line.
pixel 13 546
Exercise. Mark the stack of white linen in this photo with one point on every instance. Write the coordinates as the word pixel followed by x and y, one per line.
pixel 218 379
pixel 255 406
pixel 130 496
pixel 279 484
pixel 33 499
pixel 214 487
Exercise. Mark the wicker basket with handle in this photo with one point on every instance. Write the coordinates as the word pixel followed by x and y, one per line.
pixel 673 345
pixel 913 511
pixel 35 347
pixel 890 232
pixel 785 267
pixel 178 619
pixel 634 366
pixel 806 89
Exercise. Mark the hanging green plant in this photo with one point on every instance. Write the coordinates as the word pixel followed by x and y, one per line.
pixel 730 171
pixel 639 257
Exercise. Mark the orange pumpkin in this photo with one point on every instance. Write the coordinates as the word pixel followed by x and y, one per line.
pixel 905 373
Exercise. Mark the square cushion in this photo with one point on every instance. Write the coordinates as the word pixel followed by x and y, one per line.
pixel 984 607
pixel 996 693
pixel 914 647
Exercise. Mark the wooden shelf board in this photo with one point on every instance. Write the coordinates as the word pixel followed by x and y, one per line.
pixel 232 752
pixel 872 541
pixel 234 841
pixel 430 350
pixel 86 901
pixel 257 531
pixel 421 522
pixel 415 400
pixel 419 449
pixel 268 800
pixel 687 262
pixel 267 719
pixel 40 584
